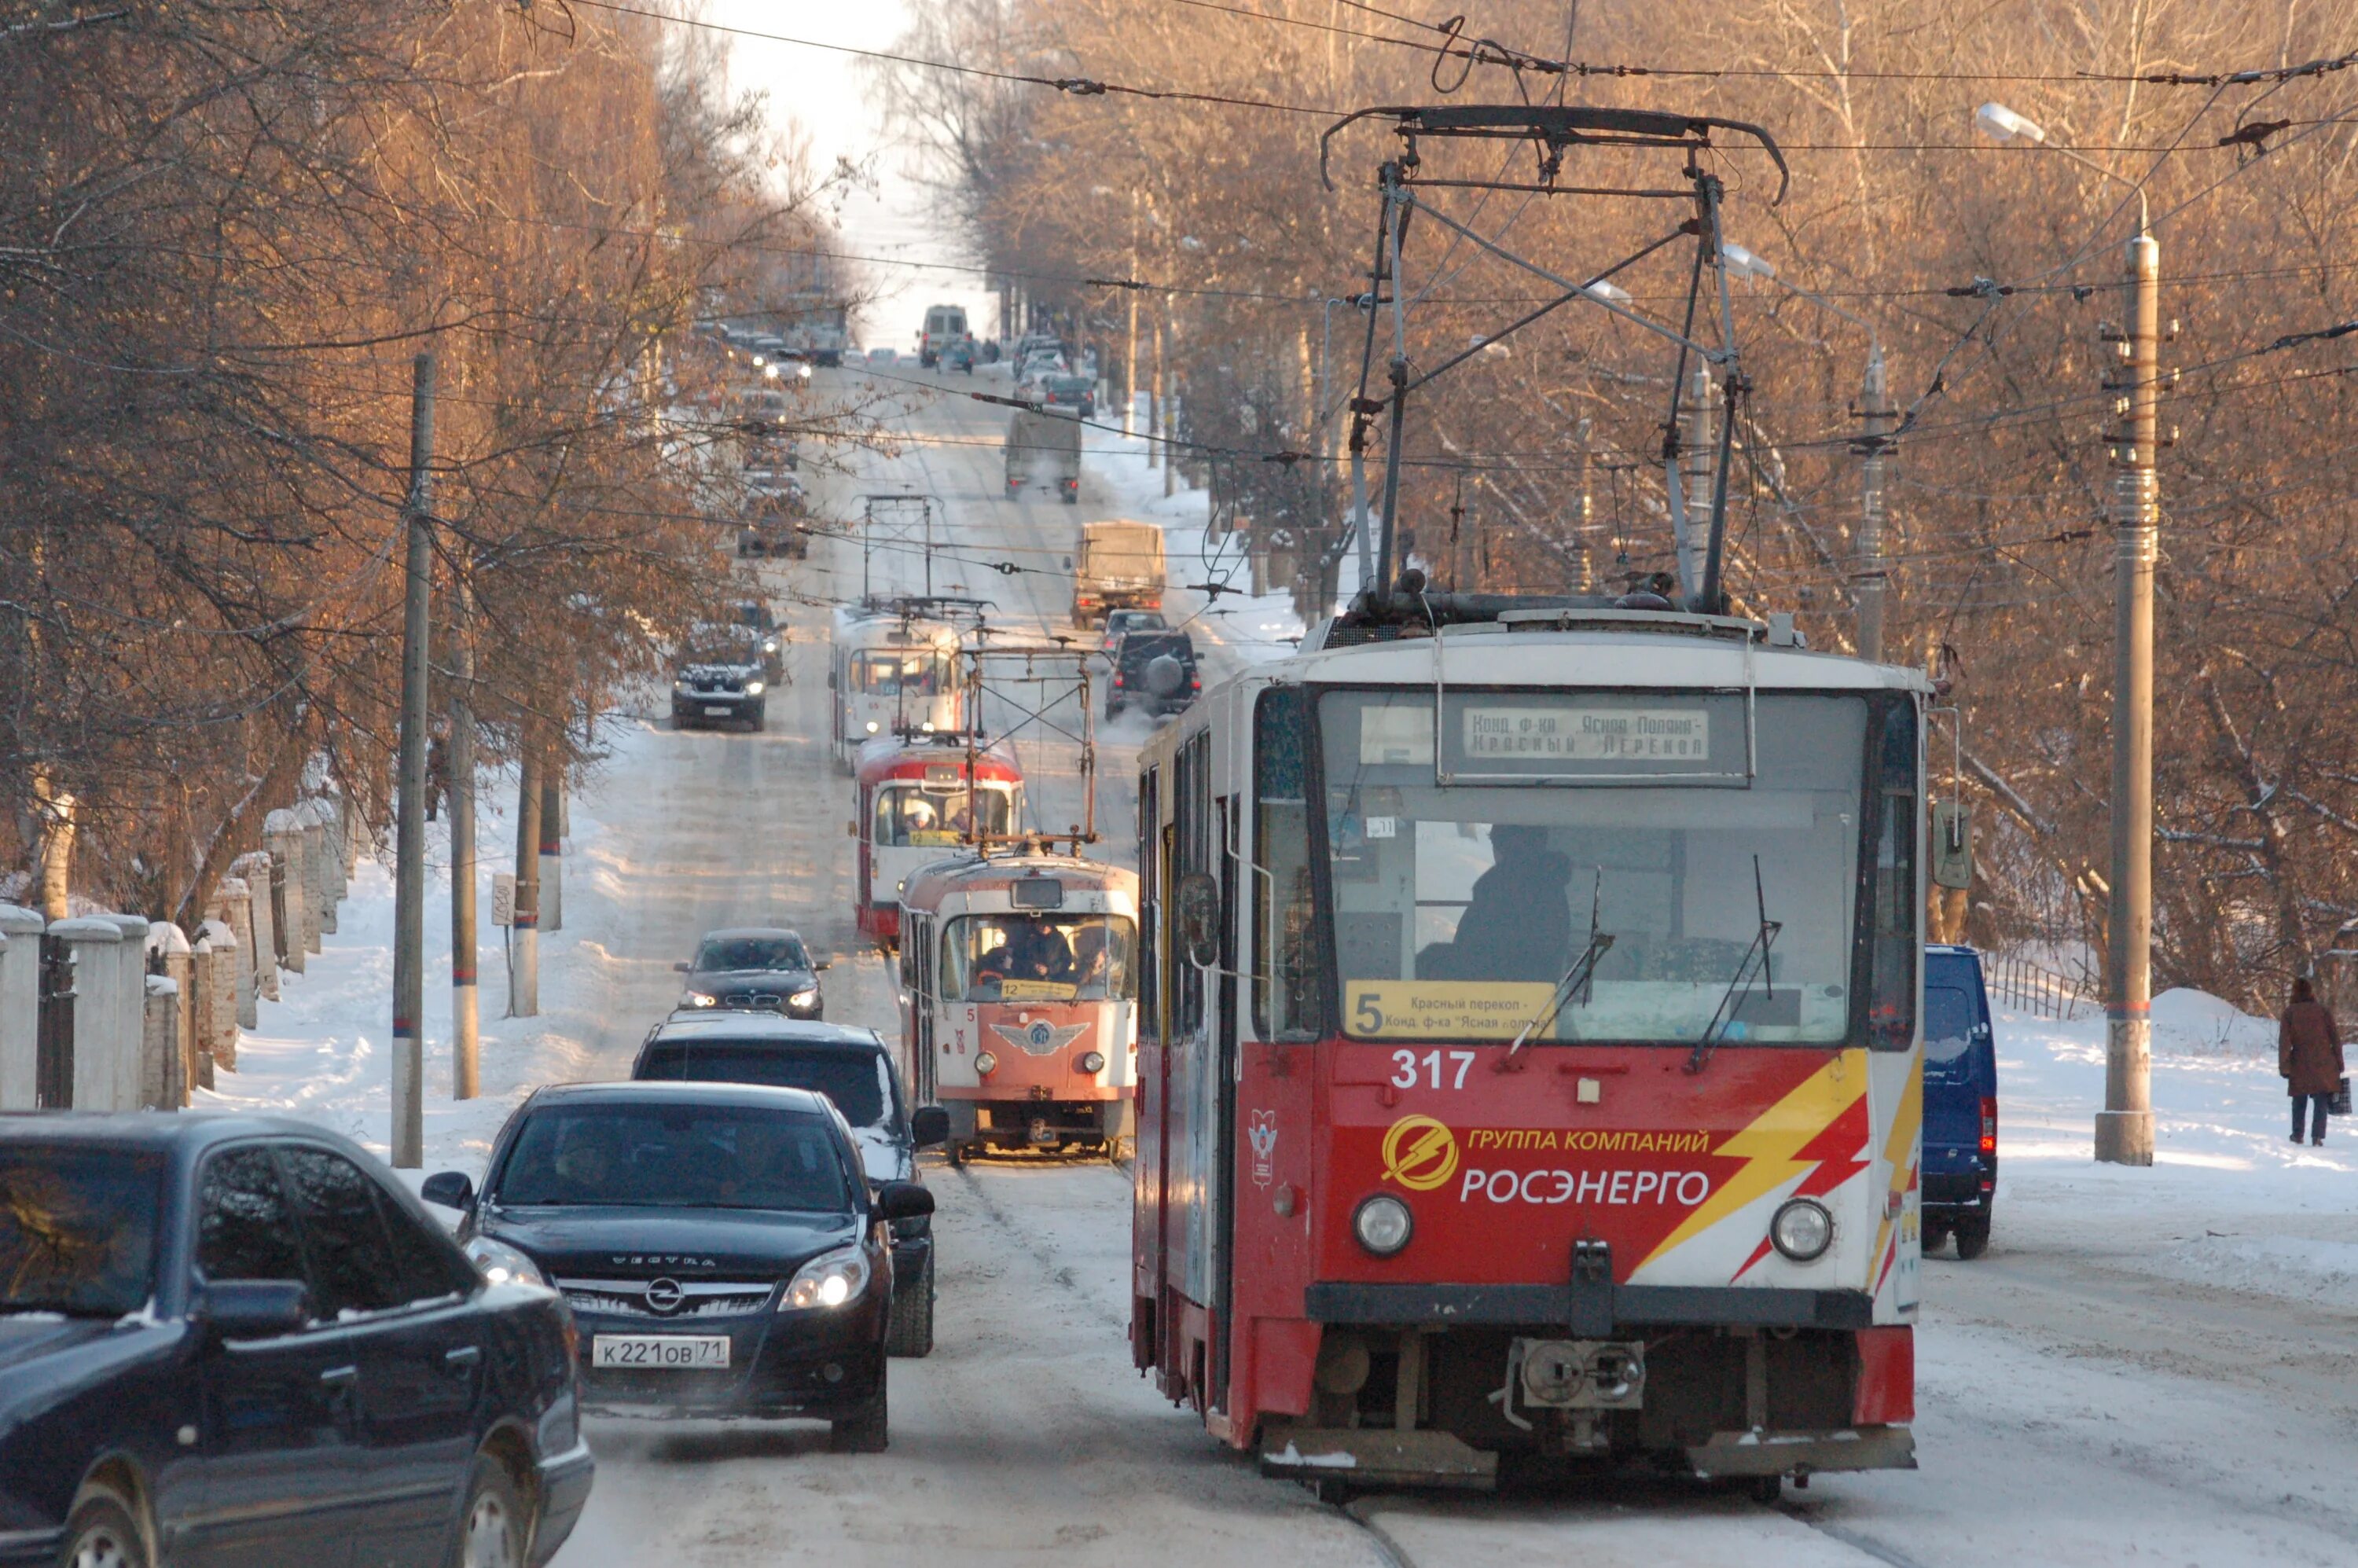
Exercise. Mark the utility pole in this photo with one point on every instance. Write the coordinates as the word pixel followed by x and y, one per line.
pixel 1697 448
pixel 2125 1126
pixel 1130 353
pixel 1584 512
pixel 523 971
pixel 550 893
pixel 410 833
pixel 465 1040
pixel 1875 408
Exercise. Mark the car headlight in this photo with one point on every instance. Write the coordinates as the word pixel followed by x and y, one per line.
pixel 752 689
pixel 985 1063
pixel 871 727
pixel 1382 1224
pixel 805 997
pixel 502 1264
pixel 770 646
pixel 680 685
pixel 699 999
pixel 1802 1229
pixel 828 1280
pixel 1092 1061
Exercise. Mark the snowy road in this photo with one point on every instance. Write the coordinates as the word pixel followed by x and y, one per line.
pixel 2154 1366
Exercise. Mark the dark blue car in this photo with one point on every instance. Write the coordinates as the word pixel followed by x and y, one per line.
pixel 231 1340
pixel 1960 1102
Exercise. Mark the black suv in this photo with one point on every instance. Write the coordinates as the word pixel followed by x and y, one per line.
pixel 853 1069
pixel 1154 671
pixel 239 1339
pixel 721 678
pixel 720 1245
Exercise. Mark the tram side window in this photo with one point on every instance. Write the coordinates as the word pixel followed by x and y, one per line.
pixel 1150 896
pixel 1286 967
pixel 1891 1007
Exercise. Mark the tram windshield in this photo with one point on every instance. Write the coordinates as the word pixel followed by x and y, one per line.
pixel 901 671
pixel 909 815
pixel 1649 839
pixel 1039 957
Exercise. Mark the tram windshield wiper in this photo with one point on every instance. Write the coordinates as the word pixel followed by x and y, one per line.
pixel 1740 984
pixel 1578 979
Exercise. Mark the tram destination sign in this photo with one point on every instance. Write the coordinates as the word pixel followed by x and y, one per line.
pixel 1589 734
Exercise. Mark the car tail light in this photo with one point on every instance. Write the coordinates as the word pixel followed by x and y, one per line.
pixel 1989 1124
pixel 1117 677
pixel 1197 682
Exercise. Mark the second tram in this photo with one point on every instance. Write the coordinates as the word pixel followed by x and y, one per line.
pixel 915 799
pixel 891 669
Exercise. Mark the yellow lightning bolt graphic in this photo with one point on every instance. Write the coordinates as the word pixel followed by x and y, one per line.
pixel 1770 1143
pixel 1899 1154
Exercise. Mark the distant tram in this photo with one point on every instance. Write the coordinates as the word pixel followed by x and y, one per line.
pixel 890 670
pixel 916 799
pixel 1020 976
pixel 1530 1060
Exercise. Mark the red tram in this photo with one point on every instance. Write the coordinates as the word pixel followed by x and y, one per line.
pixel 1530 1064
pixel 917 798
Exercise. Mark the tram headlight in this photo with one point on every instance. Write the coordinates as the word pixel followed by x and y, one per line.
pixel 871 727
pixel 1802 1230
pixel 1092 1061
pixel 1382 1224
pixel 985 1063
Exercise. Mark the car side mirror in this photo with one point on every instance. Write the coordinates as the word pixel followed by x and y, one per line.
pixel 256 1308
pixel 682 967
pixel 449 1189
pixel 929 1127
pixel 902 1200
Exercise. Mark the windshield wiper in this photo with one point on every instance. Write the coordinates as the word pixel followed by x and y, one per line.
pixel 1581 977
pixel 1755 956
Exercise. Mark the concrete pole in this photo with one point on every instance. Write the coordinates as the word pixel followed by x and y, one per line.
pixel 288 878
pixel 466 1047
pixel 1875 408
pixel 254 868
pixel 1166 337
pixel 2125 1126
pixel 1155 399
pixel 523 970
pixel 1697 449
pixel 232 906
pixel 1130 353
pixel 409 832
pixel 552 819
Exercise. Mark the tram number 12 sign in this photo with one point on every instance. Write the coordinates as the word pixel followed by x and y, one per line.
pixel 1590 734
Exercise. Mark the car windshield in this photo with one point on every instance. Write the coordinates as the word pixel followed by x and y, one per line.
pixel 937 815
pixel 1460 906
pixel 856 1079
pixel 781 951
pixel 77 1228
pixel 1038 957
pixel 656 1155
pixel 720 645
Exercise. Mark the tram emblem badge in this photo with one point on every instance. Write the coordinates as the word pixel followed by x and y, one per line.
pixel 1262 1136
pixel 1040 1037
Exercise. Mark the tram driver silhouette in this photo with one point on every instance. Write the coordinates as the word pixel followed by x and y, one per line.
pixel 1518 924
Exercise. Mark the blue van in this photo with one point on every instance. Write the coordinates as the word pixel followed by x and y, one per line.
pixel 1960 1101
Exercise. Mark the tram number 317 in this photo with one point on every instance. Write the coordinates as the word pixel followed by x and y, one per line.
pixel 1407 1065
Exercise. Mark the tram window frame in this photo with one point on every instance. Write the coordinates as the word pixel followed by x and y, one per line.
pixel 1150 904
pixel 1885 992
pixel 1287 1004
pixel 1198 848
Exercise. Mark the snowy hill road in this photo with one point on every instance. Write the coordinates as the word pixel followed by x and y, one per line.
pixel 2075 1407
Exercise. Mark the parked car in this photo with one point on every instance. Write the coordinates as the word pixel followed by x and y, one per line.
pixel 1960 1102
pixel 854 1070
pixel 239 1339
pixel 719 1244
pixel 1119 623
pixel 1077 392
pixel 720 678
pixel 754 968
pixel 882 357
pixel 1154 671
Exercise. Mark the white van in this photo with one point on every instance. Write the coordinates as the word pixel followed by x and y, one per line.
pixel 944 325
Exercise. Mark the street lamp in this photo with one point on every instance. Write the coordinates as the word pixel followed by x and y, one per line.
pixel 2125 1126
pixel 1874 409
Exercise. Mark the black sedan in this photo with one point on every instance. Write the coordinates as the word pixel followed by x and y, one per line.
pixel 719 1243
pixel 759 969
pixel 855 1071
pixel 234 1339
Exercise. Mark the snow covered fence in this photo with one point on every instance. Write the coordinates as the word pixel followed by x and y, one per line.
pixel 255 871
pixel 232 906
pixel 110 1008
pixel 170 957
pixel 284 835
pixel 323 860
pixel 216 1000
pixel 20 1005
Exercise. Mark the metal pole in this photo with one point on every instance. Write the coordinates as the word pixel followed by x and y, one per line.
pixel 465 1040
pixel 1130 354
pixel 1583 513
pixel 409 843
pixel 1695 454
pixel 1875 407
pixel 524 968
pixel 2125 1126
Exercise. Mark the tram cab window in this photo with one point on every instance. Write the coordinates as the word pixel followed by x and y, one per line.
pixel 912 671
pixel 1027 958
pixel 910 815
pixel 1460 896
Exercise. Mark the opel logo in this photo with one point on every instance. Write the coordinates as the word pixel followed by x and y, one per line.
pixel 664 1295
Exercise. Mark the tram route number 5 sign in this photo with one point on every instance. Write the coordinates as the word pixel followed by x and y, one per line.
pixel 1590 734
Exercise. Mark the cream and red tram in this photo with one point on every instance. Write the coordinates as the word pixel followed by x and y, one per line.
pixel 1019 974
pixel 1529 1051
pixel 917 798
pixel 891 670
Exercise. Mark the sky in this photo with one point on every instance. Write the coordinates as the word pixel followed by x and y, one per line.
pixel 826 93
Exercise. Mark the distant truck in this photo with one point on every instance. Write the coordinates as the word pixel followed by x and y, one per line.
pixel 944 325
pixel 1117 566
pixel 1045 448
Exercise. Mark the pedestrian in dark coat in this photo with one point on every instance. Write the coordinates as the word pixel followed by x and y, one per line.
pixel 2308 1058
